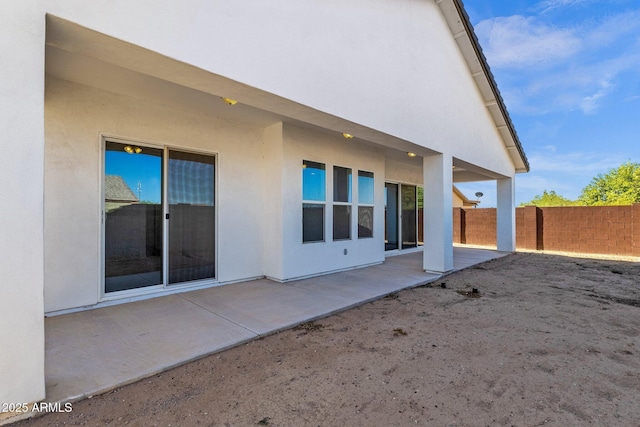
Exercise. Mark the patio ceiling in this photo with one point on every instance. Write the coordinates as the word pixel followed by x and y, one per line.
pixel 77 54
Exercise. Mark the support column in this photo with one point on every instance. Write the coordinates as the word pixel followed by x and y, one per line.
pixel 506 215
pixel 438 213
pixel 22 213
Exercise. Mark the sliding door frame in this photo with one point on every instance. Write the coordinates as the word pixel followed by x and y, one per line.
pixel 165 287
pixel 400 231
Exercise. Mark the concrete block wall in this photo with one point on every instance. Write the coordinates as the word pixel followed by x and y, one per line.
pixel 480 226
pixel 613 230
pixel 594 229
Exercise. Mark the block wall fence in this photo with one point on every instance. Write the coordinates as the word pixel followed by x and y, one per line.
pixel 612 230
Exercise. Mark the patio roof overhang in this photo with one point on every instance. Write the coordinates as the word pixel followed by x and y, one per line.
pixel 78 54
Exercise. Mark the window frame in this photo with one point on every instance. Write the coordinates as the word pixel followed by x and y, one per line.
pixel 311 203
pixel 369 206
pixel 341 203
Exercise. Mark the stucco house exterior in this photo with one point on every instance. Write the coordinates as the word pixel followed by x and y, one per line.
pixel 462 201
pixel 279 139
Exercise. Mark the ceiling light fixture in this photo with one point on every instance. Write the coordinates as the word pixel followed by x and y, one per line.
pixel 229 101
pixel 347 135
pixel 410 154
pixel 132 150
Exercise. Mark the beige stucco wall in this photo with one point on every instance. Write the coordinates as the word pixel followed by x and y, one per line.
pixel 21 216
pixel 303 259
pixel 405 170
pixel 259 189
pixel 76 117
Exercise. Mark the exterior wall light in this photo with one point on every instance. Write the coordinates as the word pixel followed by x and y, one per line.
pixel 230 101
pixel 347 135
pixel 410 154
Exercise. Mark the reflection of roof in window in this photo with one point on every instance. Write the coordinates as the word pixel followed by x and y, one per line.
pixel 116 190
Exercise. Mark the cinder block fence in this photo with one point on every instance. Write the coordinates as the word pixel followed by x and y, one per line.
pixel 612 230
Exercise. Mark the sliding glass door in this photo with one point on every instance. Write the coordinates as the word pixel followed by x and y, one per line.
pixel 191 217
pixel 409 217
pixel 404 208
pixel 159 227
pixel 391 216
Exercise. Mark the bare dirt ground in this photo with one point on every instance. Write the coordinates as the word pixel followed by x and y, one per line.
pixel 548 340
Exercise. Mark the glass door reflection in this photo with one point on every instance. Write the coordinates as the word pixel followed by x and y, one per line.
pixel 391 216
pixel 133 217
pixel 409 216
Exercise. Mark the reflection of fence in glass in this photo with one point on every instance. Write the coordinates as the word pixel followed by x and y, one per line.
pixel 133 246
pixel 312 222
pixel 192 243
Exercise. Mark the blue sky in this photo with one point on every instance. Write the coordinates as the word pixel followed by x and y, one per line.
pixel 569 73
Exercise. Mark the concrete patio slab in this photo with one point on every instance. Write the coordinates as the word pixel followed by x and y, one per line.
pixel 93 351
pixel 263 306
pixel 466 257
pixel 365 284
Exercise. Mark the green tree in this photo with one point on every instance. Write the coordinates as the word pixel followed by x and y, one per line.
pixel 620 186
pixel 550 198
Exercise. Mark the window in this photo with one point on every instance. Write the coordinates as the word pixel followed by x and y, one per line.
pixel 365 204
pixel 313 201
pixel 341 203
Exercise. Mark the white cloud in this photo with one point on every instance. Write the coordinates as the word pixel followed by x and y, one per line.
pixel 576 163
pixel 612 28
pixel 530 185
pixel 589 104
pixel 518 41
pixel 538 183
pixel 544 68
pixel 548 5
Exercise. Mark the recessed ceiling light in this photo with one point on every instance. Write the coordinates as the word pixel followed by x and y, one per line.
pixel 230 101
pixel 410 154
pixel 347 135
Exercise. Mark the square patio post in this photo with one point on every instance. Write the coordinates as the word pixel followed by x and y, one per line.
pixel 438 213
pixel 506 215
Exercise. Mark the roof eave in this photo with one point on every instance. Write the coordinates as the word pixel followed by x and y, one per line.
pixel 462 31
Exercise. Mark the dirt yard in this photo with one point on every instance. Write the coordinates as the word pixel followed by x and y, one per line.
pixel 547 340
